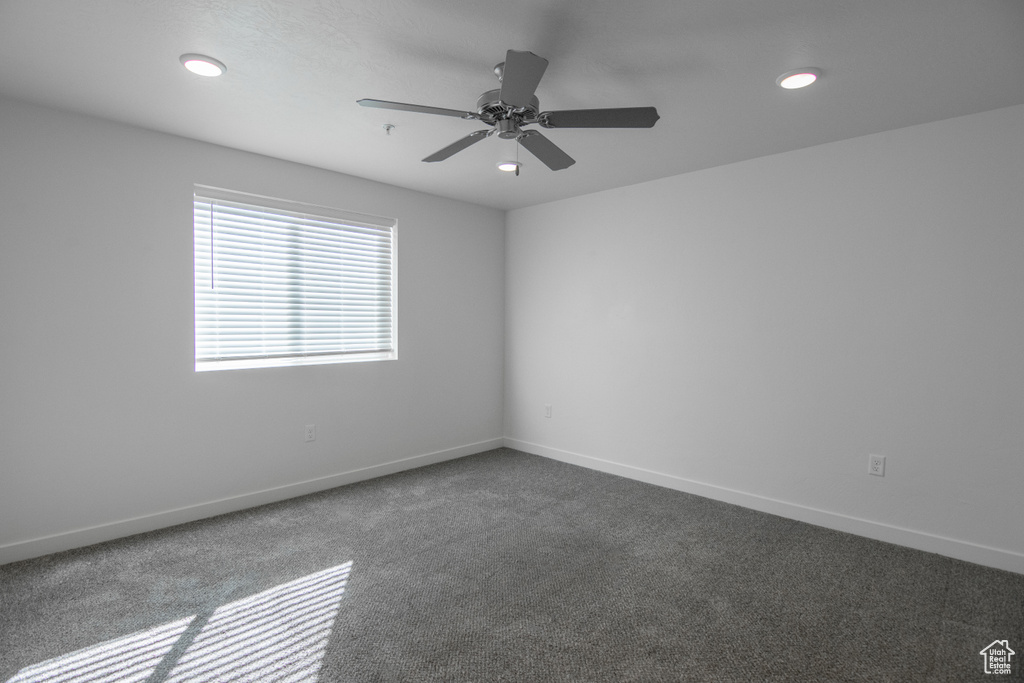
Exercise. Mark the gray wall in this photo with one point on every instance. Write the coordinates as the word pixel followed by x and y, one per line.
pixel 752 332
pixel 105 427
pixel 749 332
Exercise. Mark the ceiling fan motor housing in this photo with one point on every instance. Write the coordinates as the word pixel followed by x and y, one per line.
pixel 493 111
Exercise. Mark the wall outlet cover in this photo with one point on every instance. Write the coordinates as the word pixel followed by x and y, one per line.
pixel 876 465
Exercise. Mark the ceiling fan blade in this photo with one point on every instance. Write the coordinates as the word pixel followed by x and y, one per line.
pixel 459 145
pixel 545 150
pixel 520 77
pixel 625 117
pixel 419 108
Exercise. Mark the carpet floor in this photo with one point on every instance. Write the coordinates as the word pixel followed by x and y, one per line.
pixel 503 566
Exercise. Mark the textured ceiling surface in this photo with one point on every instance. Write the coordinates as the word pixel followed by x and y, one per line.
pixel 297 67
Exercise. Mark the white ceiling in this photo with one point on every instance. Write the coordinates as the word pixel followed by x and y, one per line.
pixel 297 67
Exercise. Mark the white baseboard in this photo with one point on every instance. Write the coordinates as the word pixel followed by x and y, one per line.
pixel 78 538
pixel 919 540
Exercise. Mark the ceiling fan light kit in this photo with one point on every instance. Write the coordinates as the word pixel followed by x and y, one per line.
pixel 514 105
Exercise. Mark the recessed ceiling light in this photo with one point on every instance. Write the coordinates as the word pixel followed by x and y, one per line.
pixel 203 65
pixel 798 78
pixel 509 166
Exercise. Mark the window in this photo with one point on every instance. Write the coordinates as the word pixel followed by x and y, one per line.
pixel 281 283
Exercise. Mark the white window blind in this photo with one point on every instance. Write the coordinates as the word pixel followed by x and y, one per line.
pixel 281 283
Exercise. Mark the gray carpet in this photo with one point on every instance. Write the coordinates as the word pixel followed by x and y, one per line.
pixel 503 567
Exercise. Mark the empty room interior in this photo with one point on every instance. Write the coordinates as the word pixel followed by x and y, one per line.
pixel 720 380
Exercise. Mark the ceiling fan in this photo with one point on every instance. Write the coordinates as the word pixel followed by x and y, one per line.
pixel 508 108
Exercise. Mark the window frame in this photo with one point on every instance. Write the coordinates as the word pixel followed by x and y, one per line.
pixel 297 217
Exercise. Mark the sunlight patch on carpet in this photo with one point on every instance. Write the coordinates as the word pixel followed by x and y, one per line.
pixel 130 659
pixel 280 634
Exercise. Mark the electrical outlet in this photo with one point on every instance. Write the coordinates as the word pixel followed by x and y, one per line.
pixel 876 465
pixel 310 432
pixel 547 410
